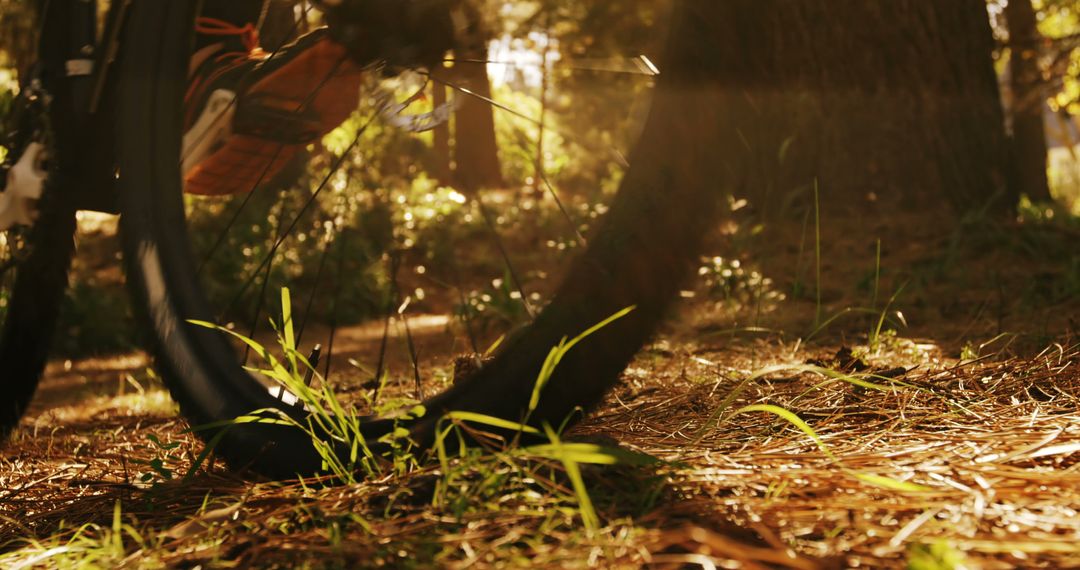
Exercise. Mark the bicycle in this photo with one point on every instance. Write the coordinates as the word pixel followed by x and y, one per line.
pixel 135 86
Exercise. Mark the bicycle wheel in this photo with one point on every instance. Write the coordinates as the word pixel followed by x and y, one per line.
pixel 634 257
pixel 33 277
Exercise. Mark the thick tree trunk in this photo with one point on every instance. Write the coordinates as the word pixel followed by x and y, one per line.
pixel 895 100
pixel 1028 100
pixel 739 77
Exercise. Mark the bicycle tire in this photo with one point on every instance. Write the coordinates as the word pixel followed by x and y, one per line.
pixel 635 258
pixel 33 302
pixel 33 311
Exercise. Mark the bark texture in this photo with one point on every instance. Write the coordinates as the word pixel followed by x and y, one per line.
pixel 896 98
pixel 1028 100
pixel 441 135
pixel 476 152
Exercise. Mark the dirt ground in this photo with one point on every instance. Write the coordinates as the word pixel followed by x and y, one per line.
pixel 960 448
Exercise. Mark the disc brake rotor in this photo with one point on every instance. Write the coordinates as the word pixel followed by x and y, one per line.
pixel 396 113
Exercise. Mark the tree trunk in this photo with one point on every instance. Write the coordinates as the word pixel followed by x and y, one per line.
pixel 476 153
pixel 441 134
pixel 738 76
pixel 1028 100
pixel 894 101
pixel 18 34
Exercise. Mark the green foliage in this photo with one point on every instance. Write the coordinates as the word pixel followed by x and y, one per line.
pixel 1064 179
pixel 878 335
pixel 1058 57
pixel 1045 237
pixel 382 203
pixel 498 306
pixel 334 427
pixel 1061 19
pixel 730 282
pixel 9 90
pixel 453 494
pixel 861 380
pixel 297 261
pixel 160 468
pixel 558 352
pixel 89 547
pixel 335 432
pixel 592 114
pixel 95 318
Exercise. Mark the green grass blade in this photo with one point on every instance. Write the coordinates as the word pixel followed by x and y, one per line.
pixel 573 472
pixel 793 420
pixel 591 453
pixel 869 478
pixel 491 421
pixel 259 349
pixel 593 329
pixel 289 338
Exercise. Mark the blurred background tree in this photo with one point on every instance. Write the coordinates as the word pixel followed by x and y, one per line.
pixel 17 33
pixel 1028 98
pixel 1040 67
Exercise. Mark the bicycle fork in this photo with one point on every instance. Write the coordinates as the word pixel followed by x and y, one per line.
pixel 64 136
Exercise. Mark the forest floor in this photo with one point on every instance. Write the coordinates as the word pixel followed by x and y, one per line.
pixel 953 442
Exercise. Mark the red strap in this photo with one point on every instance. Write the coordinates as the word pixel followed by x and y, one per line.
pixel 248 33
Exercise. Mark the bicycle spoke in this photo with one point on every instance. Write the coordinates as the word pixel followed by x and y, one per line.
pixel 334 305
pixel 541 175
pixel 550 188
pixel 394 300
pixel 391 300
pixel 311 199
pixel 480 97
pixel 466 308
pixel 265 266
pixel 236 215
pixel 413 355
pixel 265 171
pixel 619 156
pixel 506 257
pixel 539 166
pixel 315 288
pixel 261 299
pixel 565 213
